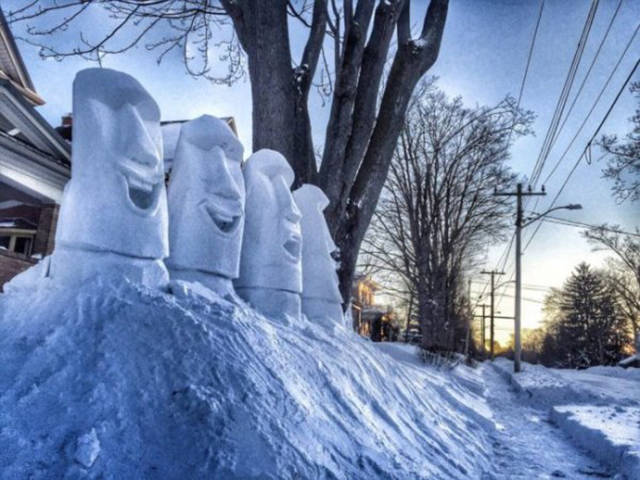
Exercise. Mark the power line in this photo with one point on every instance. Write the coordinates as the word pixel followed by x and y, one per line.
pixel 593 106
pixel 586 76
pixel 586 149
pixel 564 94
pixel 577 224
pixel 505 255
pixel 531 48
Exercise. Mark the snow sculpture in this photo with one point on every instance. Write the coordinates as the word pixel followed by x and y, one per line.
pixel 113 218
pixel 270 265
pixel 206 205
pixel 321 299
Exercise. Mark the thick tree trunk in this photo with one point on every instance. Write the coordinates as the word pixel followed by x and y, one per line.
pixel 279 92
pixel 358 145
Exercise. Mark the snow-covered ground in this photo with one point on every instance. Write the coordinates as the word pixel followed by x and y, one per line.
pixel 599 408
pixel 110 380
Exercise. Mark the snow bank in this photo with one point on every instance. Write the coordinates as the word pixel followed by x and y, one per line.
pixel 610 433
pixel 546 387
pixel 537 383
pixel 630 373
pixel 111 380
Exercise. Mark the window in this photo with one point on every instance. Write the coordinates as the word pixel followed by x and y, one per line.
pixel 18 241
pixel 22 245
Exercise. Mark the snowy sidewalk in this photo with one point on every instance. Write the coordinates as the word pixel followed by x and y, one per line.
pixel 526 445
pixel 599 408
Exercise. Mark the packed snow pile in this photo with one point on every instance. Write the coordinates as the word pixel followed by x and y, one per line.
pixel 611 433
pixel 546 387
pixel 624 373
pixel 113 380
pixel 599 408
pixel 538 383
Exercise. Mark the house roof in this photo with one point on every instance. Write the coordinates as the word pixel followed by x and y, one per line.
pixel 30 128
pixel 12 66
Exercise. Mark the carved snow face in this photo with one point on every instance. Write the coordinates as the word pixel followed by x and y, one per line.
pixel 206 199
pixel 116 199
pixel 272 245
pixel 319 278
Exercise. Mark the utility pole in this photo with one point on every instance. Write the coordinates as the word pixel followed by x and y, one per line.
pixel 519 224
pixel 492 312
pixel 484 334
pixel 483 326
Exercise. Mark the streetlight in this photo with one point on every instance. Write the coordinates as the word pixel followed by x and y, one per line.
pixel 571 206
pixel 519 226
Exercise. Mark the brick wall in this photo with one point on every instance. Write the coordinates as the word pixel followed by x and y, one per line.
pixel 12 264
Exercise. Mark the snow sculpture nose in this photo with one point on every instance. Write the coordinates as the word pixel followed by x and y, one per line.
pixel 285 200
pixel 141 148
pixel 225 186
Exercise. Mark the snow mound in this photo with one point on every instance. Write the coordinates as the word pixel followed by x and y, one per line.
pixel 110 380
pixel 547 387
pixel 630 373
pixel 537 383
pixel 610 433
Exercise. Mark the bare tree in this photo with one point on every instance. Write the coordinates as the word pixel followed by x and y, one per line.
pixel 628 291
pixel 623 166
pixel 437 211
pixel 626 247
pixel 366 117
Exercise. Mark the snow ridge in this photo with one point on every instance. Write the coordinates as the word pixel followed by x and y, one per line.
pixel 111 380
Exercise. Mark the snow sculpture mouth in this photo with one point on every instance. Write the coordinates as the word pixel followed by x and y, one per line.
pixel 226 222
pixel 142 194
pixel 142 188
pixel 292 247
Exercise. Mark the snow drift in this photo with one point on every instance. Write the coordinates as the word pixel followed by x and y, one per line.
pixel 112 380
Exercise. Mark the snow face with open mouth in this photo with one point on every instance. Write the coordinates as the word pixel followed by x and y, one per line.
pixel 206 204
pixel 321 299
pixel 270 266
pixel 116 198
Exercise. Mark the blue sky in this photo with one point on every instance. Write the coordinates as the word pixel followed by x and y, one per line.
pixel 483 57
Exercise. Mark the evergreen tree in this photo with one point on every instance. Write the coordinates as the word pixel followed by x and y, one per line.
pixel 585 322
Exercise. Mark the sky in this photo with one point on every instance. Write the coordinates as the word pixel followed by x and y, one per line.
pixel 482 58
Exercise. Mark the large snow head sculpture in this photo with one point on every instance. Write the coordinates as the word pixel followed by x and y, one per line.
pixel 115 201
pixel 206 205
pixel 270 268
pixel 321 299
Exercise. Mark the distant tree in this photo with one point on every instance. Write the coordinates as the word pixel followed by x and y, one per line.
pixel 366 56
pixel 584 323
pixel 623 166
pixel 437 212
pixel 628 292
pixel 626 277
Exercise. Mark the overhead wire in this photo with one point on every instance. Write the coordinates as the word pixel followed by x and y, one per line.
pixel 586 149
pixel 520 94
pixel 564 94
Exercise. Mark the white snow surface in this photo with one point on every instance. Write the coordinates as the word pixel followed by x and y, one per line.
pixel 550 386
pixel 599 408
pixel 612 433
pixel 112 380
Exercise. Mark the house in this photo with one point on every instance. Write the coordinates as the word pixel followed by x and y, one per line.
pixel 34 166
pixel 377 322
